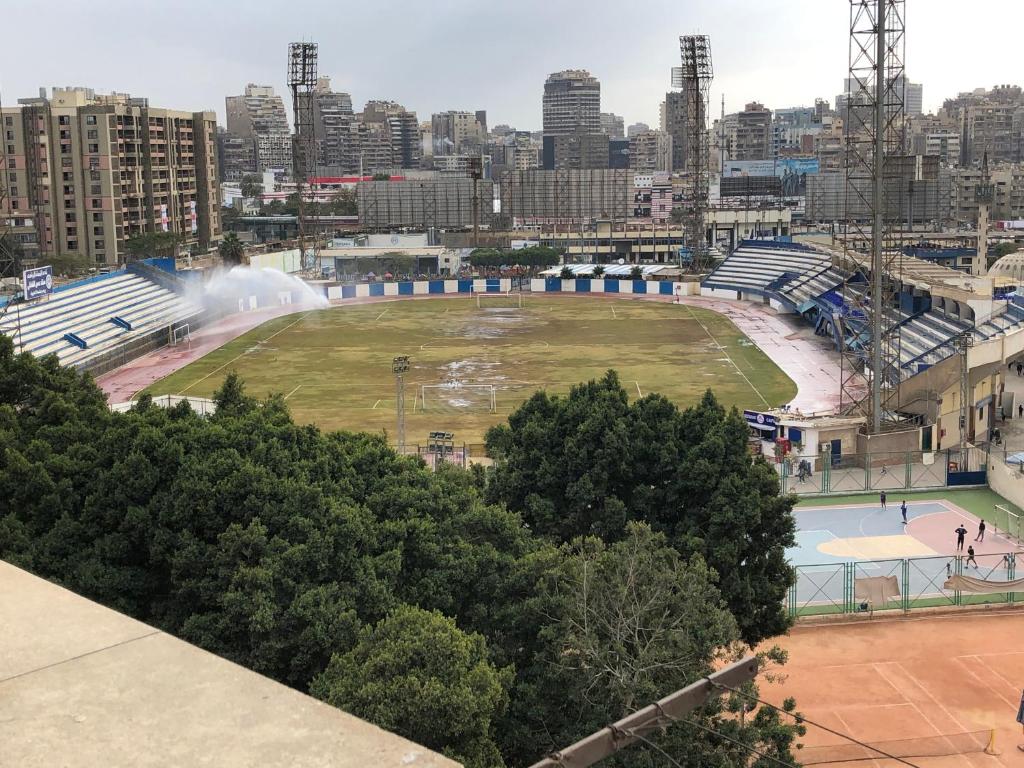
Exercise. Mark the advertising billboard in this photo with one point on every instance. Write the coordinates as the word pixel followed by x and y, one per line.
pixel 37 282
pixel 192 216
pixel 792 170
pixel 163 217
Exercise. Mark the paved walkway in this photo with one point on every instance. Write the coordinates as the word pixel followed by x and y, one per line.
pixel 788 341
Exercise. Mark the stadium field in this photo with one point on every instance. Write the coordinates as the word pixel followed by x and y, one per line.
pixel 334 365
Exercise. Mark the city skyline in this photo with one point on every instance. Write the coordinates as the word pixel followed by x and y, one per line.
pixel 779 53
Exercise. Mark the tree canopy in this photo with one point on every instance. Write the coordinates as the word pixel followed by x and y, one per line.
pixel 589 462
pixel 231 249
pixel 478 613
pixel 534 256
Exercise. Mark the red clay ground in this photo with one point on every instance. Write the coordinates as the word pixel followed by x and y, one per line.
pixel 908 678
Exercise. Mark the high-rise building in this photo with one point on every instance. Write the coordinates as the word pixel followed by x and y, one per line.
pixel 332 120
pixel 673 122
pixel 260 114
pixel 993 129
pixel 913 96
pixel 401 126
pixel 458 133
pixel 650 152
pixel 612 125
pixel 236 156
pixel 580 151
pixel 753 133
pixel 636 128
pixel 520 152
pixel 91 171
pixel 572 103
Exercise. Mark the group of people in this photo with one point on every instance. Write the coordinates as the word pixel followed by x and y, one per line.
pixel 961 532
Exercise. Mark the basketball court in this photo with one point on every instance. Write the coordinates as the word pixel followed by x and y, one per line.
pixel 843 547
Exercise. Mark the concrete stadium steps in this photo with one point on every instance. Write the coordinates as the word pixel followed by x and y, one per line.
pixel 818 284
pixel 87 311
pixel 756 266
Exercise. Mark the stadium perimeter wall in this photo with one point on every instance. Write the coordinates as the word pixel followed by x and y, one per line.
pixel 611 285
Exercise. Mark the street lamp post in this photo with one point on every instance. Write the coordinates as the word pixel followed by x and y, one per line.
pixel 399 367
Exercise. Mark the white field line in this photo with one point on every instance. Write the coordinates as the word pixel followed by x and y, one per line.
pixel 293 391
pixel 378 317
pixel 638 388
pixel 376 404
pixel 727 356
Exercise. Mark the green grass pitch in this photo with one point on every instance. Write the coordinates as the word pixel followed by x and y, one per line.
pixel 334 365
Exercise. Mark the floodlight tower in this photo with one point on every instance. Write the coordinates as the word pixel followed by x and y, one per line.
pixel 694 77
pixel 399 367
pixel 302 72
pixel 876 165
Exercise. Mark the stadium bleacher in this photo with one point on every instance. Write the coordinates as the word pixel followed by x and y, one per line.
pixel 764 266
pixel 100 313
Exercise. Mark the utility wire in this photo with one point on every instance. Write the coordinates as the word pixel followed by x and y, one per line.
pixel 802 719
pixel 739 743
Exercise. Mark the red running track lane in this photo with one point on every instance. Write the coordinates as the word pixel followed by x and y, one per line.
pixel 787 341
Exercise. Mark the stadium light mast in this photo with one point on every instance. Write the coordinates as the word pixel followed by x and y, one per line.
pixel 399 367
pixel 302 74
pixel 694 78
pixel 876 163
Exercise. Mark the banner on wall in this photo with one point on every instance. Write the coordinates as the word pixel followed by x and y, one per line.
pixel 792 170
pixel 192 216
pixel 163 217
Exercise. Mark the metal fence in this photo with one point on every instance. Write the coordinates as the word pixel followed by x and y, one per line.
pixel 831 588
pixel 860 473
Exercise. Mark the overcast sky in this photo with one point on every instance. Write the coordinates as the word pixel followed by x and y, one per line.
pixel 453 54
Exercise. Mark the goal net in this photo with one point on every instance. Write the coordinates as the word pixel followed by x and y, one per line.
pixel 1008 525
pixel 506 299
pixel 181 334
pixel 456 397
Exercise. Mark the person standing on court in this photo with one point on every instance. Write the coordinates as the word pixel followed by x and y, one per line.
pixel 981 531
pixel 881 498
pixel 1020 718
pixel 970 556
pixel 960 533
pixel 903 509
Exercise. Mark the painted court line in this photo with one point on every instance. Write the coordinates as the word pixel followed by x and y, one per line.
pixel 967 668
pixel 613 314
pixel 242 354
pixel 293 392
pixel 638 388
pixel 378 317
pixel 378 403
pixel 727 356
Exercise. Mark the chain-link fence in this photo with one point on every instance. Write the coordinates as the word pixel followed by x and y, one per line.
pixel 901 584
pixel 865 473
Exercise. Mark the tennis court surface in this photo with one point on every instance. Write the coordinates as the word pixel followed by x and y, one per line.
pixel 926 688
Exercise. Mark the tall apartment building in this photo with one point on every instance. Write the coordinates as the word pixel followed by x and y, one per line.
pixel 612 125
pixel 580 151
pixel 673 122
pixel 993 129
pixel 572 103
pixel 458 133
pixel 753 133
pixel 332 119
pixel 1007 193
pixel 636 128
pixel 259 114
pixel 402 128
pixel 520 152
pixel 236 156
pixel 913 96
pixel 793 131
pixel 91 171
pixel 650 152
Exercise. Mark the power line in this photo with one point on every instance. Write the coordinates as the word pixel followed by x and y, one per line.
pixel 739 743
pixel 802 719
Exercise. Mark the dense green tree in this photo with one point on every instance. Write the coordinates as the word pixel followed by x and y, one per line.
pixel 597 271
pixel 251 185
pixel 533 257
pixel 637 272
pixel 417 674
pixel 566 273
pixel 153 244
pixel 587 463
pixel 231 249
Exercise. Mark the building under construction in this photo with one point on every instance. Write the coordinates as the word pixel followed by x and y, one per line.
pixel 442 202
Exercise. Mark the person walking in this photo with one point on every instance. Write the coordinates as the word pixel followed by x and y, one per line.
pixel 970 557
pixel 1020 411
pixel 903 509
pixel 1020 369
pixel 981 531
pixel 881 498
pixel 960 533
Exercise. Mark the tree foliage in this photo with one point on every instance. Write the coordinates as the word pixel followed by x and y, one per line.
pixel 251 185
pixel 328 562
pixel 231 249
pixel 534 257
pixel 153 244
pixel 590 462
pixel 417 674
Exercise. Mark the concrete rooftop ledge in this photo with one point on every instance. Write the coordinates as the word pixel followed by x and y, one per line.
pixel 82 685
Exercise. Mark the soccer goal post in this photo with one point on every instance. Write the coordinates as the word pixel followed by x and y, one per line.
pixel 458 397
pixel 181 333
pixel 502 299
pixel 1008 524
